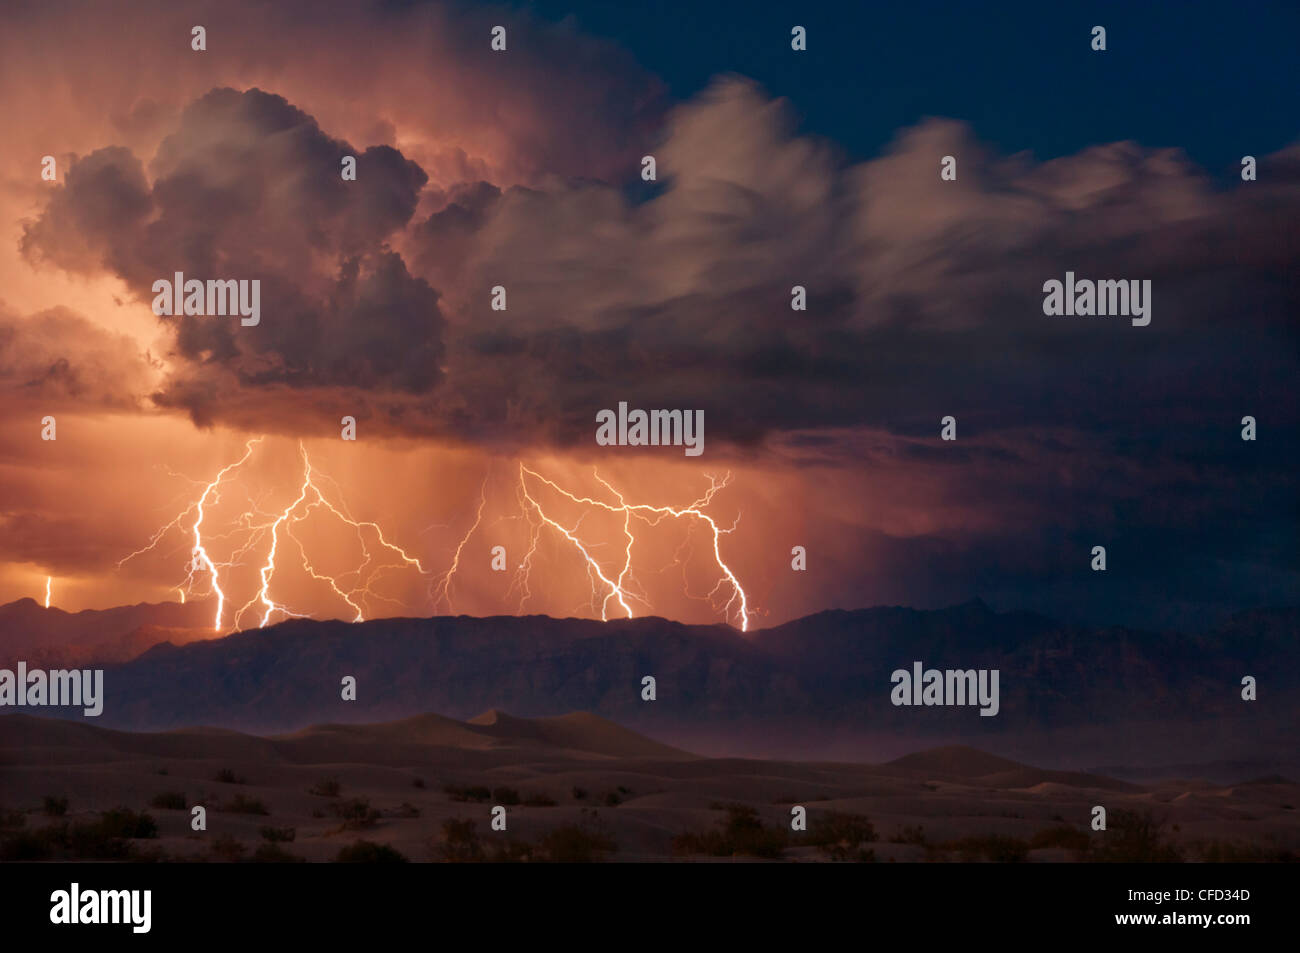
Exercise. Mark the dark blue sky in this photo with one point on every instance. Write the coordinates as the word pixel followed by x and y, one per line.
pixel 1217 79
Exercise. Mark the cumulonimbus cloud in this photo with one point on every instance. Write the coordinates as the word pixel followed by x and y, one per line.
pixel 923 294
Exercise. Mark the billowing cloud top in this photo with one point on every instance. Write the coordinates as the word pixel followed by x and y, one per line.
pixel 923 295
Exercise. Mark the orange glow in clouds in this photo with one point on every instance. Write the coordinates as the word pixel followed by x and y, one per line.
pixel 277 541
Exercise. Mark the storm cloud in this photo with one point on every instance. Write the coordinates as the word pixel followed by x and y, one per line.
pixel 924 299
pixel 924 296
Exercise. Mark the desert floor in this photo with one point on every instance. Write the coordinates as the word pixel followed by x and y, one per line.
pixel 578 787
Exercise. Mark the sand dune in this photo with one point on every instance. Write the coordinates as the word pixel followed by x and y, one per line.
pixel 1031 777
pixel 974 766
pixel 418 730
pixel 412 775
pixel 957 761
pixel 579 731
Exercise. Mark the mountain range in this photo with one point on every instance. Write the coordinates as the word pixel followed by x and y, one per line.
pixel 815 687
pixel 53 638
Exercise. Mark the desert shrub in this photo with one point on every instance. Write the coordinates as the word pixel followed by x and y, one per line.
pixel 1230 852
pixel 841 836
pixel 107 837
pixel 576 844
pixel 1226 852
pixel 996 848
pixel 169 801
pixel 579 794
pixel 54 806
pixel 538 800
pixel 366 852
pixel 418 782
pixel 909 835
pixel 11 820
pixel 28 846
pixel 228 850
pixel 459 843
pixel 329 787
pixel 1133 837
pixel 356 813
pixel 123 822
pixel 612 799
pixel 1061 836
pixel 583 842
pixel 512 852
pixel 742 834
pixel 279 835
pixel 275 854
pixel 147 855
pixel 405 809
pixel 747 835
pixel 506 796
pixel 477 793
pixel 240 804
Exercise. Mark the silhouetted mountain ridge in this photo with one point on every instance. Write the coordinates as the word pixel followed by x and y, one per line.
pixel 54 638
pixel 824 676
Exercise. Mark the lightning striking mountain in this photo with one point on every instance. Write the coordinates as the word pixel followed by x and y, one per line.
pixel 624 586
pixel 272 533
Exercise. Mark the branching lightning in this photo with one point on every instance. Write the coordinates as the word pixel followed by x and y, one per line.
pixel 201 559
pixel 267 539
pixel 621 585
pixel 353 587
pixel 366 573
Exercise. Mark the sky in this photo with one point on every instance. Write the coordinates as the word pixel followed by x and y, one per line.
pixel 476 484
pixel 1202 77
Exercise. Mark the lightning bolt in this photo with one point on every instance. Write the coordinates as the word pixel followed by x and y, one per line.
pixel 615 588
pixel 200 552
pixel 259 526
pixel 48 581
pixel 310 497
pixel 441 590
pixel 619 585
